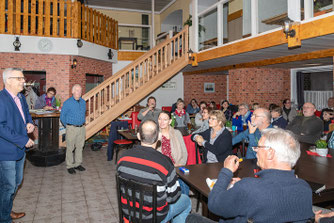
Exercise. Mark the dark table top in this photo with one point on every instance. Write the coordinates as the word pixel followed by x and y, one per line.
pixel 128 134
pixel 311 168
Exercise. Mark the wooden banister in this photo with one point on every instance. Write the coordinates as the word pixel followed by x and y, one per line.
pixel 57 18
pixel 134 82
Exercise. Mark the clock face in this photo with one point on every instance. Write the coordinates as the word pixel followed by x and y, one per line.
pixel 45 45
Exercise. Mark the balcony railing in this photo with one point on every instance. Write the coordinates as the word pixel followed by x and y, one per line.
pixel 57 18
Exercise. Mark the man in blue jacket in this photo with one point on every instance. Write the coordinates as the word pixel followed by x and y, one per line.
pixel 15 124
pixel 277 195
pixel 241 117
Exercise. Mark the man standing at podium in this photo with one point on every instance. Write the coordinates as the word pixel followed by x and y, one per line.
pixel 15 124
pixel 73 114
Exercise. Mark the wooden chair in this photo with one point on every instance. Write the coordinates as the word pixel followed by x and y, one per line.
pixel 131 197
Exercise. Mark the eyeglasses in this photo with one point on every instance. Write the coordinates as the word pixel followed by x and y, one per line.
pixel 212 118
pixel 260 147
pixel 256 116
pixel 19 78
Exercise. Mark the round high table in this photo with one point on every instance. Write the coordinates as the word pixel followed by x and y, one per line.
pixel 47 152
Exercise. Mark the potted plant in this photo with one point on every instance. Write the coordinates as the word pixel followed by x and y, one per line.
pixel 58 103
pixel 321 147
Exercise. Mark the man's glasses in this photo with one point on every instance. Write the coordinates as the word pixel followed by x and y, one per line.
pixel 19 78
pixel 260 147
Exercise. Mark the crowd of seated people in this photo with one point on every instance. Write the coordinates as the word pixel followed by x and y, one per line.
pixel 275 149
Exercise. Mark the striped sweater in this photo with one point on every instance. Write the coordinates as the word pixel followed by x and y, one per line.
pixel 146 165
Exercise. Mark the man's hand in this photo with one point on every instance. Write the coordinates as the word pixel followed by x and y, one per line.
pixel 30 143
pixel 30 127
pixel 232 163
pixel 318 215
pixel 236 114
pixel 251 128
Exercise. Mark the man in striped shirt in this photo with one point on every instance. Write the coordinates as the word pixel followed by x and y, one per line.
pixel 144 164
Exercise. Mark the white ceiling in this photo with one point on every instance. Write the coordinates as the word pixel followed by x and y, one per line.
pixel 310 45
pixel 130 4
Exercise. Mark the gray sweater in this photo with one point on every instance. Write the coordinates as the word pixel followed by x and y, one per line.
pixel 307 129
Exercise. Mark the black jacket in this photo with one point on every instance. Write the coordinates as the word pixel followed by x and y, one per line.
pixel 222 146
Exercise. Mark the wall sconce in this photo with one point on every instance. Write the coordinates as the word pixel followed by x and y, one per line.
pixel 79 43
pixel 190 55
pixel 110 54
pixel 74 63
pixel 17 44
pixel 286 29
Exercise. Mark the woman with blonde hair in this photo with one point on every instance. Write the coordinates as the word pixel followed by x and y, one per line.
pixel 217 140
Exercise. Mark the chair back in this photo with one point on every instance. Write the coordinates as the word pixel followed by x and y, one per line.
pixel 192 149
pixel 131 199
pixel 135 121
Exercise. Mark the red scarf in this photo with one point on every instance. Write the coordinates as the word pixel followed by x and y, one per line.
pixel 180 114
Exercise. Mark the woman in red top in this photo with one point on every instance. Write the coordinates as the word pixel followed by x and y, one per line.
pixel 172 145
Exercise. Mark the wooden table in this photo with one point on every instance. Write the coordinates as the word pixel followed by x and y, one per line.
pixel 310 168
pixel 47 152
pixel 128 134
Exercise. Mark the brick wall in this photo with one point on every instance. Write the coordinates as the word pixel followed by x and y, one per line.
pixel 194 87
pixel 261 85
pixel 249 85
pixel 59 73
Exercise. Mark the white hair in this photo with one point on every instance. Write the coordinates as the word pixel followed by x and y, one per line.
pixel 76 85
pixel 285 144
pixel 244 105
pixel 7 73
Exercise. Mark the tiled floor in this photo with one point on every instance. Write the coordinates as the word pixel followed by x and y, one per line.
pixel 51 195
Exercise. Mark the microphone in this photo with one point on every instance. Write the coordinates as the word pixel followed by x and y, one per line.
pixel 29 84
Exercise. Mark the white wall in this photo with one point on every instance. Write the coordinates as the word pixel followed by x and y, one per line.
pixel 164 97
pixel 59 46
pixel 168 97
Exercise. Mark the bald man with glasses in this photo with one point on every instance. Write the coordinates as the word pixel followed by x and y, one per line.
pixel 260 120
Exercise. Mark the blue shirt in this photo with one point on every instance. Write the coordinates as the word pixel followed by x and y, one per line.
pixel 73 112
pixel 253 140
pixel 240 120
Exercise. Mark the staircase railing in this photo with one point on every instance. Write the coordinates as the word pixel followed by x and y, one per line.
pixel 134 82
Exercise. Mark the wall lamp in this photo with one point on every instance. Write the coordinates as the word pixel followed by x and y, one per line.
pixel 110 54
pixel 190 55
pixel 287 29
pixel 79 43
pixel 74 63
pixel 17 44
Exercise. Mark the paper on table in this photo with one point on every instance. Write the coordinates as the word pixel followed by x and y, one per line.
pixel 211 183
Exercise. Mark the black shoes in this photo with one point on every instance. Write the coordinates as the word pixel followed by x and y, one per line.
pixel 71 171
pixel 80 168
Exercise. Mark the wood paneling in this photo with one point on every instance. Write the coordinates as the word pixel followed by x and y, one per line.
pixel 129 55
pixel 279 60
pixel 57 18
pixel 234 15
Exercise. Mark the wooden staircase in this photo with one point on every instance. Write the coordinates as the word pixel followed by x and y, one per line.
pixel 133 83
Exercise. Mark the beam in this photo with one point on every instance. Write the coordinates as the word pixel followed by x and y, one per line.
pixel 312 29
pixel 261 63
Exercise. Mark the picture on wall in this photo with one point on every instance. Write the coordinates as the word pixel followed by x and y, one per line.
pixel 169 85
pixel 209 87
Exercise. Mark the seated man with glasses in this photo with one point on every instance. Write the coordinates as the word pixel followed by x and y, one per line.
pixel 47 101
pixel 277 195
pixel 308 128
pixel 260 120
pixel 241 117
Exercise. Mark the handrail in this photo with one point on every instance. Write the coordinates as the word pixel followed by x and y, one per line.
pixel 127 81
pixel 57 18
